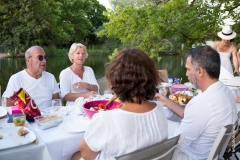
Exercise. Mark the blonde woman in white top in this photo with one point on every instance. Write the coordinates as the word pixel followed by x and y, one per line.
pixel 226 49
pixel 77 80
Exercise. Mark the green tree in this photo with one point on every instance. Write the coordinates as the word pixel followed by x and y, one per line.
pixel 48 22
pixel 95 16
pixel 26 23
pixel 169 26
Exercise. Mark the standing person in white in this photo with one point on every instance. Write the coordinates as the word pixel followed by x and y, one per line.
pixel 206 113
pixel 226 49
pixel 139 122
pixel 39 84
pixel 77 80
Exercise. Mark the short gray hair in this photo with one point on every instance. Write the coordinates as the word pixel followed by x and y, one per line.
pixel 27 53
pixel 73 49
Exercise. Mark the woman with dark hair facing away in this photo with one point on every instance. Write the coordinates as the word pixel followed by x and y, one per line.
pixel 140 122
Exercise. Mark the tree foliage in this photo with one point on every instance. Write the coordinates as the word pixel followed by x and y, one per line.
pixel 168 26
pixel 48 22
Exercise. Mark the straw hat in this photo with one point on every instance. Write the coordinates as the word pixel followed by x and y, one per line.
pixel 226 33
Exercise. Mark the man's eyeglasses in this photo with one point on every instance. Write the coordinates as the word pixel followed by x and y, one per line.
pixel 40 57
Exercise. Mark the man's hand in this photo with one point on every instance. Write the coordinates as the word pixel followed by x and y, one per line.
pixel 174 107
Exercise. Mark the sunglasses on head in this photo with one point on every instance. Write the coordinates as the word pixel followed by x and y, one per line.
pixel 40 57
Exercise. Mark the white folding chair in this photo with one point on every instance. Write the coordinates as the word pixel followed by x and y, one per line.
pixel 221 142
pixel 165 150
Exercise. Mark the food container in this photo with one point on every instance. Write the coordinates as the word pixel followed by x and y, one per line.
pixel 19 119
pixel 88 105
pixel 178 87
pixel 48 122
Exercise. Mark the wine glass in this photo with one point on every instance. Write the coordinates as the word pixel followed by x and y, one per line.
pixel 94 97
pixel 108 94
pixel 56 105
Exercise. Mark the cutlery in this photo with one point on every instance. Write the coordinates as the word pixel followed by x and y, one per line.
pixel 114 97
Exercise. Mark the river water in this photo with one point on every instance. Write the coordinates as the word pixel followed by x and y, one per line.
pixel 9 66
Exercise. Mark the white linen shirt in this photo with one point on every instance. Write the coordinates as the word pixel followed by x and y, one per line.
pixel 204 116
pixel 67 78
pixel 118 132
pixel 41 90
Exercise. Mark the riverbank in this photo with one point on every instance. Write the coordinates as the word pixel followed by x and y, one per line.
pixel 7 55
pixel 4 55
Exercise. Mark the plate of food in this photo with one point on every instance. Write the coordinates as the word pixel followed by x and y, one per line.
pixel 182 97
pixel 15 137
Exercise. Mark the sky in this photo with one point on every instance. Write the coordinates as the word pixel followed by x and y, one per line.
pixel 105 3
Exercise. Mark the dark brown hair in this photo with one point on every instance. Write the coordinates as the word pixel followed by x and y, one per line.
pixel 132 74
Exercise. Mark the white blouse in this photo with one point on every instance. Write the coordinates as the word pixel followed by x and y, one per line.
pixel 118 132
pixel 67 78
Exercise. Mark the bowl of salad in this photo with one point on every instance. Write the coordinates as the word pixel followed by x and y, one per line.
pixel 92 107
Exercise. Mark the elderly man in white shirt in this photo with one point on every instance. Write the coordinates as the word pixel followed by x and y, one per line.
pixel 39 84
pixel 208 112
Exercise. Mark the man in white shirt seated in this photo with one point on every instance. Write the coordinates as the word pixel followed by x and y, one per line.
pixel 39 84
pixel 206 113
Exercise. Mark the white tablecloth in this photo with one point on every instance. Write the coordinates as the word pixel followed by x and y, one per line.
pixel 61 145
pixel 25 152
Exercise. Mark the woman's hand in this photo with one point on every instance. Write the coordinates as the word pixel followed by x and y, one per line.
pixel 79 85
pixel 88 94
pixel 174 107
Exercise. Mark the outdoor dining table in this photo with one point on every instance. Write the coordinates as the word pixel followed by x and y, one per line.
pixel 36 151
pixel 53 143
pixel 61 145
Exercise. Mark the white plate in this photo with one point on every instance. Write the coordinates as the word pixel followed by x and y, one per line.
pixel 3 112
pixel 74 125
pixel 50 112
pixel 10 138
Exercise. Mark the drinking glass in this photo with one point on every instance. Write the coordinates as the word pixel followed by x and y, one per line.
pixel 164 91
pixel 56 105
pixel 19 119
pixel 108 94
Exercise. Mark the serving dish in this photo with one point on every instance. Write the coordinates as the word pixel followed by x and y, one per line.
pixel 48 121
pixel 88 105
